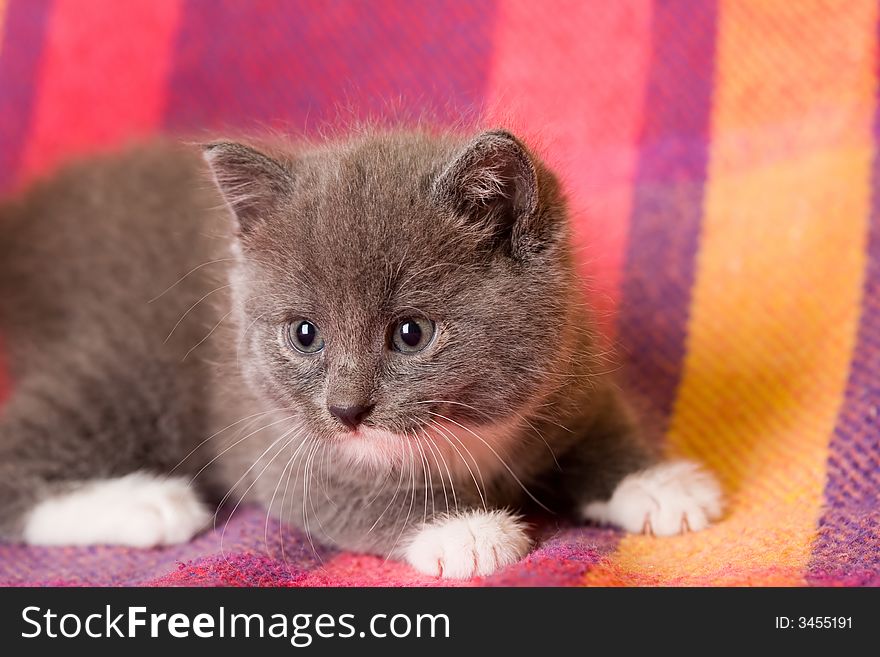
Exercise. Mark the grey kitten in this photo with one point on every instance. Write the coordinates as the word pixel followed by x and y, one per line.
pixel 381 339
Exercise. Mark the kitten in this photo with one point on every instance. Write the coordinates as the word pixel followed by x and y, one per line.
pixel 382 339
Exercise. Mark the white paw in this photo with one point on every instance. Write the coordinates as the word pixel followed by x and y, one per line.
pixel 469 544
pixel 666 499
pixel 139 510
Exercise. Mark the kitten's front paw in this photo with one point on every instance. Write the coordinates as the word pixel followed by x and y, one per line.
pixel 138 510
pixel 666 499
pixel 469 544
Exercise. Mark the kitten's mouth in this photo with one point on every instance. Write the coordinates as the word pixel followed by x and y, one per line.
pixel 452 448
pixel 365 432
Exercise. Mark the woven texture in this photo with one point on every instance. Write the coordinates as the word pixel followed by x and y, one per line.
pixel 721 161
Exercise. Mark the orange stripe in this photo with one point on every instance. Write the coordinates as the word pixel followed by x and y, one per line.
pixel 2 16
pixel 779 274
pixel 103 77
pixel 575 86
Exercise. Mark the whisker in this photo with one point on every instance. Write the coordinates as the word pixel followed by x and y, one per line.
pixel 186 275
pixel 307 497
pixel 430 445
pixel 519 415
pixel 500 460
pixel 426 474
pixel 322 481
pixel 244 336
pixel 248 489
pixel 246 472
pixel 287 465
pixel 217 325
pixel 448 474
pixel 391 501
pixel 229 426
pixel 437 426
pixel 209 334
pixel 238 442
pixel 189 310
pixel 412 499
pixel 281 516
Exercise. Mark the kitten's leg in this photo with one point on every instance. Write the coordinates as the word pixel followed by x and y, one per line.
pixel 614 479
pixel 423 527
pixel 63 482
pixel 138 509
pixel 466 544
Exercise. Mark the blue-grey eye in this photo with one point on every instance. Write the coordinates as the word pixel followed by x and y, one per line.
pixel 305 337
pixel 412 334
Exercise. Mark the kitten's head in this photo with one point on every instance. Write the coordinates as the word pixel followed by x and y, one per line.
pixel 399 282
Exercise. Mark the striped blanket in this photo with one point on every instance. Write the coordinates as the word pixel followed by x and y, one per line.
pixel 721 161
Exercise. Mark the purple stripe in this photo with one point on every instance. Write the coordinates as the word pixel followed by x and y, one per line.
pixel 665 224
pixel 847 550
pixel 24 29
pixel 563 558
pixel 308 64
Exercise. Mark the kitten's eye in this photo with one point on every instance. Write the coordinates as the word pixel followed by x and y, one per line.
pixel 412 334
pixel 304 337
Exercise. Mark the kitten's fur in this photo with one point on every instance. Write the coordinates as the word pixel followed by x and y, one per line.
pixel 113 273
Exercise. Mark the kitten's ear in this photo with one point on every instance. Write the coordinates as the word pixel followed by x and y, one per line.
pixel 492 182
pixel 251 182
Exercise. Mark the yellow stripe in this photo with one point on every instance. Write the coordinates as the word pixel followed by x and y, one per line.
pixel 776 299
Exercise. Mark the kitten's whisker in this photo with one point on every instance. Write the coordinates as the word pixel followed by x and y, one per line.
pixel 222 319
pixel 306 497
pixel 448 474
pixel 272 501
pixel 518 414
pixel 429 443
pixel 467 450
pixel 253 483
pixel 322 470
pixel 443 434
pixel 238 442
pixel 323 448
pixel 543 439
pixel 217 433
pixel 429 485
pixel 208 335
pixel 304 525
pixel 390 502
pixel 244 337
pixel 281 518
pixel 189 310
pixel 248 471
pixel 186 275
pixel 545 418
pixel 243 495
pixel 607 372
pixel 412 499
pixel 501 460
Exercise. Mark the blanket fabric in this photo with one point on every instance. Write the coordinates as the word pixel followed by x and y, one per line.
pixel 721 161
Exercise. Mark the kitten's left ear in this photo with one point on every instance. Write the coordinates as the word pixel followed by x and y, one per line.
pixel 252 183
pixel 493 184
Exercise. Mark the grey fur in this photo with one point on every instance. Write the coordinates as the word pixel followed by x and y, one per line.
pixel 99 263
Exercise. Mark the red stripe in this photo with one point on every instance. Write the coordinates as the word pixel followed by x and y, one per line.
pixel 102 79
pixel 572 78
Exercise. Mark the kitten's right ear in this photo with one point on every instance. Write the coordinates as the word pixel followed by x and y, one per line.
pixel 251 182
pixel 493 183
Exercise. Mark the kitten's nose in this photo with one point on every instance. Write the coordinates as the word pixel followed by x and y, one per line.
pixel 350 416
